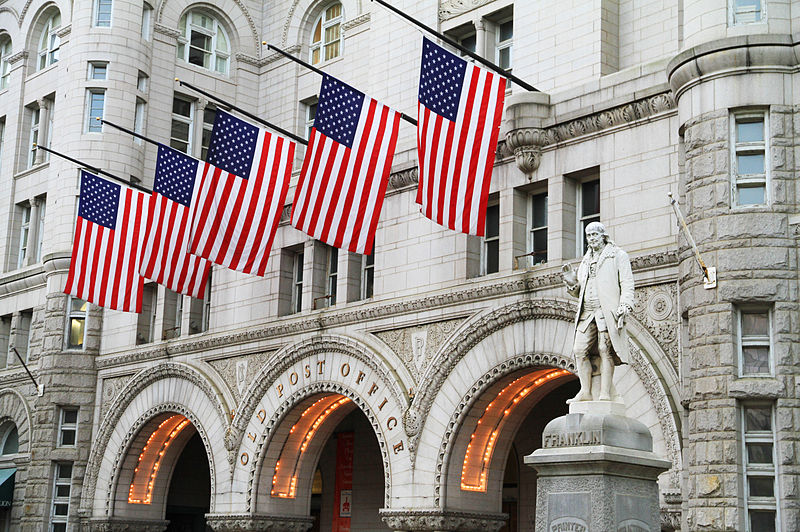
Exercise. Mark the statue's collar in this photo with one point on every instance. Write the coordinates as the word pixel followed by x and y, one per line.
pixel 606 252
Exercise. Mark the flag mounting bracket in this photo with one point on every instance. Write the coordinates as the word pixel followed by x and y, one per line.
pixel 39 387
pixel 709 272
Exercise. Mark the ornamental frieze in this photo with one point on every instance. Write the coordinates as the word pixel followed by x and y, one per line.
pixel 238 372
pixel 111 388
pixel 656 308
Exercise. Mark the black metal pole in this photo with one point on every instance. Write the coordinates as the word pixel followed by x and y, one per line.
pixel 130 132
pixel 248 114
pixel 318 71
pixel 24 365
pixel 454 44
pixel 93 169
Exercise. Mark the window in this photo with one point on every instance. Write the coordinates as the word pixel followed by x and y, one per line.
pixel 181 132
pixel 326 37
pixel 141 82
pixel 311 115
pixel 367 275
pixel 753 326
pixel 746 11
pixel 332 274
pixel 200 310
pixel 6 358
pixel 589 210
pixel 203 42
pixel 24 210
pixel 504 38
pixel 102 13
pixel 490 248
pixel 297 282
pixel 50 42
pixel 76 317
pixel 146 321
pixel 537 224
pixel 94 110
pixel 5 68
pixel 209 114
pixel 34 136
pixel 2 136
pixel 62 486
pixel 173 314
pixel 67 426
pixel 147 15
pixel 138 119
pixel 98 71
pixel 40 231
pixel 759 467
pixel 748 160
pixel 9 439
pixel 22 333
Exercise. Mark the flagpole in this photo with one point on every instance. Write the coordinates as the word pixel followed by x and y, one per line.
pixel 129 132
pixel 248 114
pixel 93 169
pixel 321 72
pixel 454 44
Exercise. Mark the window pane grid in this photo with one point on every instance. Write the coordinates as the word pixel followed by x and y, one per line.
pixel 103 13
pixel 537 242
pixel 62 488
pixel 96 103
pixel 326 35
pixel 759 466
pixel 490 259
pixel 749 159
pixel 203 42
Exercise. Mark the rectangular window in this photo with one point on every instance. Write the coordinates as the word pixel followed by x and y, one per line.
pixel 748 159
pixel 537 232
pixel 147 16
pixel 141 82
pixel 24 210
pixel 200 310
pixel 490 249
pixel 368 275
pixel 181 131
pixel 102 13
pixel 146 321
pixel 2 136
pixel 332 274
pixel 98 71
pixel 34 136
pixel 311 114
pixel 62 488
pixel 173 314
pixel 761 494
pixel 589 210
pixel 95 101
pixel 5 67
pixel 138 119
pixel 67 426
pixel 76 318
pixel 209 114
pixel 755 356
pixel 40 229
pixel 6 357
pixel 22 333
pixel 746 11
pixel 504 40
pixel 297 282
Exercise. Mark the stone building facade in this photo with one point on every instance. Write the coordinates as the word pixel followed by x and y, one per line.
pixel 402 391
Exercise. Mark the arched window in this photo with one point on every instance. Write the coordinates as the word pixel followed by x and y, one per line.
pixel 203 42
pixel 326 39
pixel 9 439
pixel 50 42
pixel 5 68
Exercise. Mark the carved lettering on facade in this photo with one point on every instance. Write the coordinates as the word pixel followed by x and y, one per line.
pixel 571 439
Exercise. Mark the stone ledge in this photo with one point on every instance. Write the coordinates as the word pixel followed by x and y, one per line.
pixel 756 388
pixel 260 523
pixel 438 520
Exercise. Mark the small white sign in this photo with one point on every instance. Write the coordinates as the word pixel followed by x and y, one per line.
pixel 345 503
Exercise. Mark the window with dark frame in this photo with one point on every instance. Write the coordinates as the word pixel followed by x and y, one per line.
pixel 537 234
pixel 589 209
pixel 67 426
pixel 62 488
pixel 490 249
pixel 761 501
pixel 297 282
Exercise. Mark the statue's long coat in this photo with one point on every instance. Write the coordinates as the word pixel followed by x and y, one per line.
pixel 614 286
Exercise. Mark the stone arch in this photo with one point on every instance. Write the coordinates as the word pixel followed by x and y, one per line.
pixel 234 14
pixel 301 15
pixel 165 387
pixel 13 407
pixel 13 13
pixel 36 22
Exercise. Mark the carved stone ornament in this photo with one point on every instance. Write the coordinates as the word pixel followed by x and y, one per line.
pixel 238 372
pixel 526 145
pixel 438 520
pixel 111 388
pixel 655 307
pixel 404 178
pixel 258 523
pixel 126 525
pixel 452 8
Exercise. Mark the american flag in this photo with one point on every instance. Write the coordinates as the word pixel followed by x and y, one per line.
pixel 109 235
pixel 240 200
pixel 165 257
pixel 460 107
pixel 346 168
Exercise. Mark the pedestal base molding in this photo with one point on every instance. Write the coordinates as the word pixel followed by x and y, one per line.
pixel 126 525
pixel 436 520
pixel 258 523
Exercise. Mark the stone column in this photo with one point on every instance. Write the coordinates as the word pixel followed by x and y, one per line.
pixel 33 231
pixel 480 36
pixel 597 472
pixel 44 117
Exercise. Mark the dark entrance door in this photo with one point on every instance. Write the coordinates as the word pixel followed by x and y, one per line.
pixel 189 490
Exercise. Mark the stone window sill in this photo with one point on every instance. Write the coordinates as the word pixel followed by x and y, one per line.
pixel 766 387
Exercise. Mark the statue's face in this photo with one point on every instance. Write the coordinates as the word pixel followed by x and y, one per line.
pixel 595 240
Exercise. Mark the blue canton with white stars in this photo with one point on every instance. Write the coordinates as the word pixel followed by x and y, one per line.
pixel 440 80
pixel 338 110
pixel 99 200
pixel 175 175
pixel 233 144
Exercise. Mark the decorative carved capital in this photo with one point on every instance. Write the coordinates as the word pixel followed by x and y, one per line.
pixel 353 23
pixel 453 8
pixel 166 30
pixel 526 144
pixel 259 523
pixel 126 525
pixel 438 520
pixel 17 57
pixel 404 178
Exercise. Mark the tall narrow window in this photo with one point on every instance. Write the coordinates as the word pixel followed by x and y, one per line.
pixel 34 136
pixel 2 137
pixel 754 341
pixel 761 495
pixel 311 115
pixel 22 334
pixel 141 82
pixel 209 114
pixel 589 210
pixel 368 275
pixel 181 131
pixel 173 314
pixel 297 285
pixel 748 156
pixel 332 274
pixel 40 230
pixel 504 39
pixel 138 119
pixel 146 321
pixel 490 250
pixel 200 310
pixel 67 426
pixel 76 319
pixel 147 16
pixel 24 210
pixel 62 488
pixel 102 13
pixel 6 358
pixel 203 42
pixel 5 67
pixel 746 11
pixel 206 317
pixel 50 42
pixel 95 101
pixel 537 233
pixel 326 37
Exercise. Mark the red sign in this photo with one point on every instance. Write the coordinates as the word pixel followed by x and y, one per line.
pixel 343 484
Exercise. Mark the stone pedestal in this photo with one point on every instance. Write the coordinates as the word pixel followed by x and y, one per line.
pixel 597 472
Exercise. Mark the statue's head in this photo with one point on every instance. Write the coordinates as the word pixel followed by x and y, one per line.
pixel 596 236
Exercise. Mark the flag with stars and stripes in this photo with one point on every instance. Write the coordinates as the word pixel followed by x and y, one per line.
pixel 346 168
pixel 239 203
pixel 460 107
pixel 109 235
pixel 165 257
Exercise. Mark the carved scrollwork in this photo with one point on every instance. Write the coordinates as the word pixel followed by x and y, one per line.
pixel 436 520
pixel 258 523
pixel 526 145
pixel 404 178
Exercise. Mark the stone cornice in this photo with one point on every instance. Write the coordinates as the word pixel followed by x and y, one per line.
pixel 166 30
pixel 404 178
pixel 64 31
pixel 17 57
pixel 249 59
pixel 275 56
pixel 354 23
pixel 452 8
pixel 115 524
pixel 435 519
pixel 258 523
pixel 24 279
